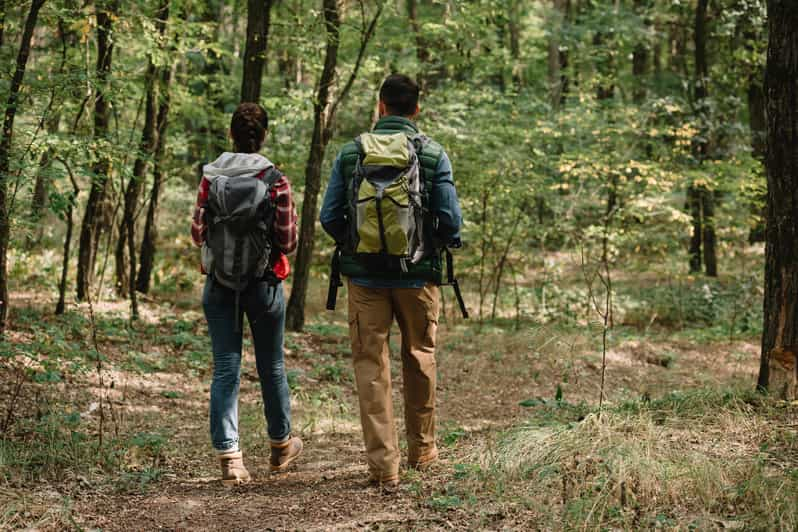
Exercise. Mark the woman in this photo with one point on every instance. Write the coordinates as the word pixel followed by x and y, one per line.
pixel 262 301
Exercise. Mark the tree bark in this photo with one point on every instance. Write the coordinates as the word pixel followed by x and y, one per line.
pixel 5 152
pixel 61 305
pixel 605 88
pixel 93 224
pixel 2 20
pixel 708 236
pixel 780 328
pixel 555 56
pixel 422 50
pixel 694 205
pixel 703 238
pixel 324 113
pixel 150 236
pixel 52 121
pixel 42 183
pixel 758 126
pixel 640 57
pixel 295 313
pixel 126 272
pixel 258 20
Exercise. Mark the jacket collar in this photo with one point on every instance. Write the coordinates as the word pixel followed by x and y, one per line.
pixel 396 123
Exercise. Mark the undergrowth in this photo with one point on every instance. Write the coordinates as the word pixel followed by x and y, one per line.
pixel 698 459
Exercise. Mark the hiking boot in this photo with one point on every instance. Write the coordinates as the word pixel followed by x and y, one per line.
pixel 284 453
pixel 386 486
pixel 424 462
pixel 233 470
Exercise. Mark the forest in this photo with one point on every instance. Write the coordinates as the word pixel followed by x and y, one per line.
pixel 628 176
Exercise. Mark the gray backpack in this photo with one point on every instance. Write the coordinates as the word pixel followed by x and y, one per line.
pixel 239 215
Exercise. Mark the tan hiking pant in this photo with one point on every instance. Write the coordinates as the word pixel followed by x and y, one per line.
pixel 371 312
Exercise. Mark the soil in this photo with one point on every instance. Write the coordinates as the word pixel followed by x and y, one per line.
pixel 483 376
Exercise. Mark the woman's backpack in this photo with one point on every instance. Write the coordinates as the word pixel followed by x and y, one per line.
pixel 239 215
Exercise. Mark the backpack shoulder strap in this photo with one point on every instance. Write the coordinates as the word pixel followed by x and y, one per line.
pixel 349 155
pixel 270 176
pixel 429 154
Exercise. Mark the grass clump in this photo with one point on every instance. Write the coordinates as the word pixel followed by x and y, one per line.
pixel 690 459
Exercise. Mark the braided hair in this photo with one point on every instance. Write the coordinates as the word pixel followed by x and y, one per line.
pixel 248 127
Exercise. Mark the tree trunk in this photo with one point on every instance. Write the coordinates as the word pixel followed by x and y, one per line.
pixel 703 239
pixel 422 51
pixel 324 113
pixel 758 126
pixel 52 121
pixel 136 183
pixel 514 28
pixel 694 205
pixel 126 273
pixel 295 313
pixel 640 58
pixel 2 20
pixel 780 330
pixel 212 138
pixel 605 88
pixel 708 237
pixel 5 152
pixel 61 305
pixel 258 19
pixel 93 226
pixel 555 56
pixel 42 183
pixel 150 236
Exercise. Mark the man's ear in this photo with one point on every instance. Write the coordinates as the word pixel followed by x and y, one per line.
pixel 415 113
pixel 381 109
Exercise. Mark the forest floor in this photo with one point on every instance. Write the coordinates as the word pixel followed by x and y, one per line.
pixel 498 386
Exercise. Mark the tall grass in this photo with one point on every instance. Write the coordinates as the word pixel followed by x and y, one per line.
pixel 697 459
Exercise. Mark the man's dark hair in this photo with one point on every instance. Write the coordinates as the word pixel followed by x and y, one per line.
pixel 400 95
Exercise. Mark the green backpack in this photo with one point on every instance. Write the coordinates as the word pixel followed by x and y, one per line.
pixel 390 229
pixel 386 204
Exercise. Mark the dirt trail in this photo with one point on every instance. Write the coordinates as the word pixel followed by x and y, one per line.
pixel 482 379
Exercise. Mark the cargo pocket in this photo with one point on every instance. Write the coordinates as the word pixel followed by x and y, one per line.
pixel 432 329
pixel 354 335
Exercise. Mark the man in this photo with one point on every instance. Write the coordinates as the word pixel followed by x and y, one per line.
pixel 377 294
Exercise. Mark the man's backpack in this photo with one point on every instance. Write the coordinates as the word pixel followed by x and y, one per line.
pixel 387 203
pixel 239 215
pixel 390 226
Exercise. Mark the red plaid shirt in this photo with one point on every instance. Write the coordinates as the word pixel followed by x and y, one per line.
pixel 284 235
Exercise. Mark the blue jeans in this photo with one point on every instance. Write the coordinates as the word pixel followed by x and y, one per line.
pixel 264 306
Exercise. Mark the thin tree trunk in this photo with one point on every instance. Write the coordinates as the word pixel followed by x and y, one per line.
pixel 61 305
pixel 704 225
pixel 780 330
pixel 694 205
pixel 126 273
pixel 258 20
pixel 640 58
pixel 555 57
pixel 324 113
pixel 605 88
pixel 514 28
pixel 295 313
pixel 2 20
pixel 758 126
pixel 422 52
pixel 150 236
pixel 5 152
pixel 42 183
pixel 710 255
pixel 52 123
pixel 93 226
